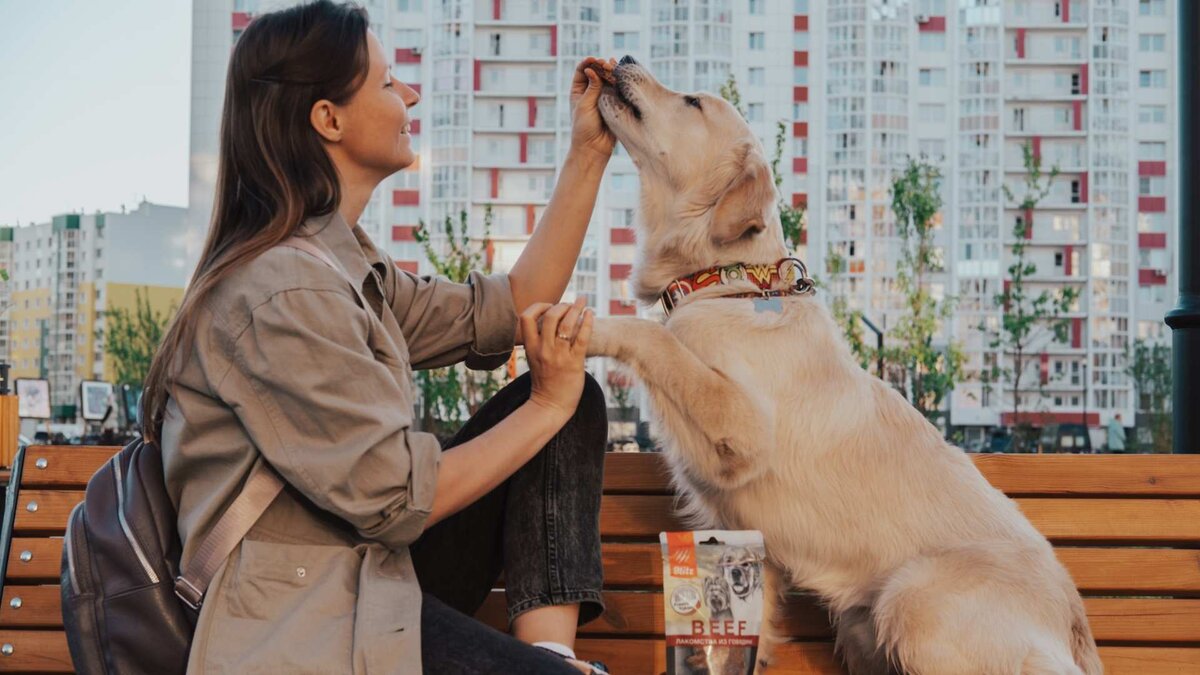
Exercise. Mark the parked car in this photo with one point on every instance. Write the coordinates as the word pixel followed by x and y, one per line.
pixel 1065 438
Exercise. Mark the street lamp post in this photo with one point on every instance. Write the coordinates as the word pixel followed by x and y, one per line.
pixel 1184 320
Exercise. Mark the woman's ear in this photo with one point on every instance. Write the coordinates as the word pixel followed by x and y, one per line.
pixel 324 118
pixel 741 211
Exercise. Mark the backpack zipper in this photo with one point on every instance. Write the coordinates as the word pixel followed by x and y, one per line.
pixel 71 549
pixel 137 549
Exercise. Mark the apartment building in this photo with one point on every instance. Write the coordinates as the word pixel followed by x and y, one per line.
pixel 67 273
pixel 860 85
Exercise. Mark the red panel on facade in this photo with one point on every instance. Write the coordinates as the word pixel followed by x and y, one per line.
pixel 1007 287
pixel 524 147
pixel 1029 223
pixel 495 182
pixel 530 218
pixel 619 270
pixel 800 129
pixel 404 233
pixel 935 24
pixel 1076 333
pixel 799 165
pixel 1036 145
pixel 1083 188
pixel 1068 264
pixel 621 235
pixel 800 23
pixel 800 94
pixel 1152 168
pixel 409 266
pixel 1152 239
pixel 1020 43
pixel 241 20
pixel 1152 278
pixel 1039 419
pixel 1066 11
pixel 532 111
pixel 478 73
pixel 1083 78
pixel 1152 204
pixel 1077 115
pixel 496 9
pixel 406 197
pixel 799 199
pixel 619 307
pixel 799 58
pixel 554 40
pixel 407 56
pixel 1044 367
pixel 414 127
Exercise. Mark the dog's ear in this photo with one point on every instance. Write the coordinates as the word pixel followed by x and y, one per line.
pixel 740 210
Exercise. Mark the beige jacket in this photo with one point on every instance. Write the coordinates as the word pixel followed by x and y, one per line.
pixel 287 366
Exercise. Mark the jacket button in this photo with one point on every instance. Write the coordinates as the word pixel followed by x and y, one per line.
pixel 300 572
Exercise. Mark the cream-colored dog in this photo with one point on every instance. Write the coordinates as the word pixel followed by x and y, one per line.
pixel 768 423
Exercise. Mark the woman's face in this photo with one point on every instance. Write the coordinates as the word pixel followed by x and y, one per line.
pixel 375 121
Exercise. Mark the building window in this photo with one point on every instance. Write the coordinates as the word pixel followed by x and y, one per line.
pixel 800 41
pixel 1152 42
pixel 1152 7
pixel 754 112
pixel 1152 79
pixel 800 6
pixel 932 77
pixel 801 76
pixel 932 42
pixel 756 76
pixel 626 40
pixel 756 6
pixel 932 112
pixel 408 5
pixel 758 41
pixel 800 111
pixel 625 7
pixel 1152 114
pixel 1152 152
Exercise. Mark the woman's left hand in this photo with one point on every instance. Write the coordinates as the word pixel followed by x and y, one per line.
pixel 588 131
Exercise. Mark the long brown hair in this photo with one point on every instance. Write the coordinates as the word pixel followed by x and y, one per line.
pixel 273 172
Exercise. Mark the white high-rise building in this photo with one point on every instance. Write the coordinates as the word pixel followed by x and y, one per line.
pixel 860 85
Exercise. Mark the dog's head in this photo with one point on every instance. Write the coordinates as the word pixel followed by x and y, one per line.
pixel 707 192
pixel 742 569
pixel 716 594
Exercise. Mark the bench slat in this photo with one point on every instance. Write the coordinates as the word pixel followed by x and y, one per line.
pixel 41 607
pixel 40 651
pixel 1027 475
pixel 1129 521
pixel 816 658
pixel 1099 571
pixel 44 565
pixel 66 465
pixel 1117 620
pixel 53 507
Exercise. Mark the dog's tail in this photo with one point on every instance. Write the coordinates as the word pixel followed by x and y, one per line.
pixel 1083 645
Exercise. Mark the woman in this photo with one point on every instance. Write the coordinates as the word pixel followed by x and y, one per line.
pixel 382 544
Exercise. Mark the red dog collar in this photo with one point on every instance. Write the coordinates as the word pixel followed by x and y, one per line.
pixel 789 272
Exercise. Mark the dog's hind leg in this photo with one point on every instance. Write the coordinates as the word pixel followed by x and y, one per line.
pixel 858 644
pixel 735 426
pixel 770 632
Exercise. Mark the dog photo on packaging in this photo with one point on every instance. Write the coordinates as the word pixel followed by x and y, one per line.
pixel 768 423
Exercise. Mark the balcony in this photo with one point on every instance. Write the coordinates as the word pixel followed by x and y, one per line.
pixel 1046 15
pixel 515 13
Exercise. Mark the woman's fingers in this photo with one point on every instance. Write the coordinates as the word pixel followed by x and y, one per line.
pixel 550 324
pixel 584 336
pixel 529 326
pixel 570 321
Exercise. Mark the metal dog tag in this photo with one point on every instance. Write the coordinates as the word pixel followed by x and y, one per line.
pixel 768 305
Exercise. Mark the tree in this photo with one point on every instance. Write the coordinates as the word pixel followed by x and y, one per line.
pixel 1026 316
pixel 131 337
pixel 1150 367
pixel 927 373
pixel 450 394
pixel 790 217
pixel 847 318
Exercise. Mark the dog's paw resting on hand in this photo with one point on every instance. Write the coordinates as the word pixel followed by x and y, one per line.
pixel 604 337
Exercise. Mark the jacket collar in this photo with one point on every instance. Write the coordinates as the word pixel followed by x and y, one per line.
pixel 349 245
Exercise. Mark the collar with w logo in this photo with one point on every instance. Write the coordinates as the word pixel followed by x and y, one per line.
pixel 789 276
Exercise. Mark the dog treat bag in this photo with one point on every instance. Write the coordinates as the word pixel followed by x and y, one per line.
pixel 713 600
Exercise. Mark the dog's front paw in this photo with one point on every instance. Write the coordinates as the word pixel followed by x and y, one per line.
pixel 604 338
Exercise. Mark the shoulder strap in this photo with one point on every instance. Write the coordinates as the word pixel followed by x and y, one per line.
pixel 261 488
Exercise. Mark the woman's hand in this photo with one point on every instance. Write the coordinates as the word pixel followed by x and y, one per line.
pixel 588 131
pixel 556 341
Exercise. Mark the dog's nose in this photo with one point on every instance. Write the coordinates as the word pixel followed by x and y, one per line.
pixel 627 60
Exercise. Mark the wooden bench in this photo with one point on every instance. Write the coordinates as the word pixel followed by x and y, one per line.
pixel 1126 526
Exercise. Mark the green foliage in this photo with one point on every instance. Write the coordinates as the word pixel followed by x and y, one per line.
pixel 924 373
pixel 132 337
pixel 790 217
pixel 847 318
pixel 449 395
pixel 1026 315
pixel 1150 367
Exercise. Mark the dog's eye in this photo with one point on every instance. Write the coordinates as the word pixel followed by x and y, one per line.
pixel 692 101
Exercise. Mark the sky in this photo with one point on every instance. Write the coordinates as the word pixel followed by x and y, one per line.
pixel 94 105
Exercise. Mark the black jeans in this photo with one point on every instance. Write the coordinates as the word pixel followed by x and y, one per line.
pixel 541 527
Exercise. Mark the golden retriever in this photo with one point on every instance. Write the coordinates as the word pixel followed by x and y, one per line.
pixel 768 423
